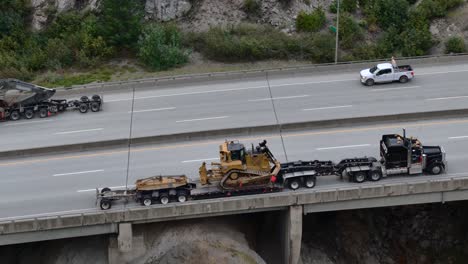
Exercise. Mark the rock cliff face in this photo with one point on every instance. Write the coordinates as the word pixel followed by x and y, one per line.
pixel 196 15
pixel 42 9
pixel 419 234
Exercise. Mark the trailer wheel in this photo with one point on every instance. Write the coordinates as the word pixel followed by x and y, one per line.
pixel 359 177
pixel 43 112
pixel 164 198
pixel 15 115
pixel 28 113
pixel 95 106
pixel 403 79
pixel 105 204
pixel 370 82
pixel 294 184
pixel 375 175
pixel 105 189
pixel 435 169
pixel 147 201
pixel 83 108
pixel 310 182
pixel 182 197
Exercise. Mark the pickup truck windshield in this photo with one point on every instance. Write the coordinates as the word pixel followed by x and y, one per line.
pixel 373 69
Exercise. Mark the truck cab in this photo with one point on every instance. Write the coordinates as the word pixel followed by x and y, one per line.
pixel 386 72
pixel 402 155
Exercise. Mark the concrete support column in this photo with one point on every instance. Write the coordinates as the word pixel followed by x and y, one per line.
pixel 125 247
pixel 293 234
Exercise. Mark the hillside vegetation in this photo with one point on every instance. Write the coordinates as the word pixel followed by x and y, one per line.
pixel 86 40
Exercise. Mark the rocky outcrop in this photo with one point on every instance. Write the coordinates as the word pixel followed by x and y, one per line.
pixel 166 10
pixel 42 9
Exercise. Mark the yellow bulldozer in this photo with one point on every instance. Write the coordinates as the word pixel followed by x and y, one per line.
pixel 240 168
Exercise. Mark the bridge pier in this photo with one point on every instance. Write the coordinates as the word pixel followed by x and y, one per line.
pixel 125 247
pixel 292 234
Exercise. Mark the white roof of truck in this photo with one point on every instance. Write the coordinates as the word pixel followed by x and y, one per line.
pixel 384 65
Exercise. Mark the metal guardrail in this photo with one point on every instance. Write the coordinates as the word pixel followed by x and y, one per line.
pixel 233 205
pixel 253 71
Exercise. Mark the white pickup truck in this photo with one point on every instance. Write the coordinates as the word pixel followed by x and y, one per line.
pixel 385 72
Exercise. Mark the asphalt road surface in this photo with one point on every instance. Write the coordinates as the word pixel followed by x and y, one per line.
pixel 226 104
pixel 64 184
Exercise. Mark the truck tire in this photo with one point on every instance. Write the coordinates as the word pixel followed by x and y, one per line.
pixel 375 175
pixel 164 198
pixel 182 196
pixel 15 115
pixel 370 82
pixel 435 169
pixel 359 177
pixel 43 112
pixel 95 106
pixel 105 204
pixel 403 79
pixel 28 113
pixel 147 201
pixel 310 182
pixel 294 184
pixel 83 108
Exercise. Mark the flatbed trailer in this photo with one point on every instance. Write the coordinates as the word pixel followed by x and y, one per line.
pixel 20 99
pixel 399 156
pixel 51 107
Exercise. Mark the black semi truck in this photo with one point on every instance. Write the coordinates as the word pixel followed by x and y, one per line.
pixel 399 155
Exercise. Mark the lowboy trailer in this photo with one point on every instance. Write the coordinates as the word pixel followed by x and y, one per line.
pixel 242 172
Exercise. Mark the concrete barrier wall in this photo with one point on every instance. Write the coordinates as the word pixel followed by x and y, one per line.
pixel 442 188
pixel 240 131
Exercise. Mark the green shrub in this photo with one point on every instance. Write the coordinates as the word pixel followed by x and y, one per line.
pixel 252 7
pixel 321 48
pixel 392 13
pixel 311 22
pixel 120 22
pixel 159 47
pixel 416 38
pixel 349 6
pixel 437 8
pixel 59 55
pixel 455 45
pixel 349 31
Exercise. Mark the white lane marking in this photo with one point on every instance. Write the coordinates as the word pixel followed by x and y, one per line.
pixel 152 110
pixel 189 93
pixel 27 122
pixel 349 146
pixel 458 137
pixel 315 82
pixel 279 98
pixel 201 119
pixel 447 98
pixel 391 89
pixel 78 172
pixel 197 160
pixel 429 73
pixel 78 131
pixel 329 107
pixel 228 90
pixel 112 187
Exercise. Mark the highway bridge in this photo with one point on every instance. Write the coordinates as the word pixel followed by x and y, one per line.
pixel 52 196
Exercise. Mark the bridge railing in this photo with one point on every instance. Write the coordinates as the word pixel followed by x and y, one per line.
pixel 237 205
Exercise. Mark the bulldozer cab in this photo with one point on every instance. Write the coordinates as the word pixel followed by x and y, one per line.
pixel 232 151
